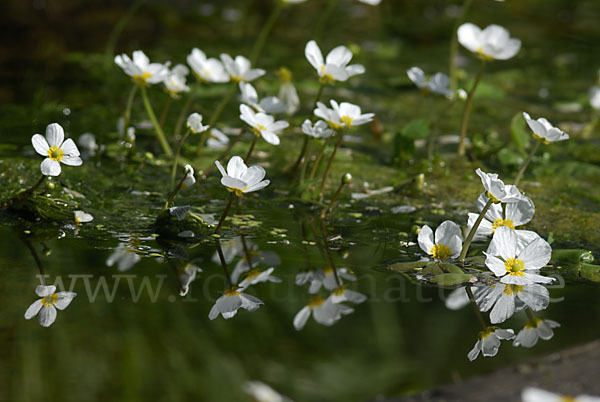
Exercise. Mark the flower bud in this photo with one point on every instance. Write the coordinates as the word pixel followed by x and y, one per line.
pixel 346 178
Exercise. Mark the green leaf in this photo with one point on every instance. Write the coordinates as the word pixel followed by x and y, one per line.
pixel 571 257
pixel 432 268
pixel 416 129
pixel 407 266
pixel 451 279
pixel 589 271
pixel 454 269
pixel 476 260
pixel 519 133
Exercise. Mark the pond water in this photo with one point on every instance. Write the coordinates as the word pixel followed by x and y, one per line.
pixel 139 326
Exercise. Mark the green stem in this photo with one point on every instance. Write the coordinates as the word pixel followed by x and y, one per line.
pixel 325 16
pixel 127 114
pixel 223 263
pixel 330 163
pixel 329 256
pixel 157 129
pixel 184 111
pixel 116 32
pixel 222 220
pixel 217 113
pixel 476 307
pixel 305 144
pixel 249 154
pixel 176 159
pixel 530 315
pixel 527 162
pixel 264 33
pixel 246 251
pixel 469 239
pixel 317 162
pixel 173 193
pixel 163 115
pixel 304 165
pixel 454 44
pixel 467 111
pixel 336 195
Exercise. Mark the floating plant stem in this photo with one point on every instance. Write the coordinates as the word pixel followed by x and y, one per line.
pixel 246 252
pixel 346 179
pixel 305 144
pixel 475 307
pixel 469 239
pixel 318 159
pixel 454 43
pixel 127 114
pixel 177 153
pixel 329 256
pixel 37 260
pixel 222 220
pixel 527 162
pixel 265 31
pixel 223 262
pixel 330 162
pixel 467 110
pixel 173 193
pixel 249 154
pixel 217 113
pixel 157 129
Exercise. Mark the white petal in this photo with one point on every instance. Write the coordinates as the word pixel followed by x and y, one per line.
pixel 253 175
pixel 64 299
pixel 535 296
pixel 69 148
pixel 47 315
pixel 505 242
pixel 33 309
pixel 257 186
pixel 503 310
pixel 50 167
pixel 313 55
pixel 270 137
pixel 72 160
pixel 425 239
pixel 236 167
pixel 40 144
pixel 536 254
pixel 468 36
pixel 221 169
pixel 55 134
pixel 339 56
pixel 42 291
pixel 301 318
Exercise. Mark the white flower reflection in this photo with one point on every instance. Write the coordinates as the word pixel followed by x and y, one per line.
pixel 231 301
pixel 535 329
pixel 489 342
pixel 124 256
pixel 187 274
pixel 324 311
pixel 45 308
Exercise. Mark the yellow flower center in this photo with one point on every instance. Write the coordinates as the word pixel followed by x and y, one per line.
pixel 284 74
pixel 514 266
pixel 232 292
pixel 502 222
pixel 487 332
pixel 540 138
pixel 141 79
pixel 482 55
pixel 533 323
pixel 235 78
pixel 567 399
pixel 238 191
pixel 253 274
pixel 492 197
pixel 440 252
pixel 55 153
pixel 315 301
pixel 511 290
pixel 49 300
pixel 326 78
pixel 251 253
pixel 347 120
pixel 328 270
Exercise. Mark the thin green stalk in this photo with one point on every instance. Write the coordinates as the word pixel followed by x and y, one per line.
pixel 329 256
pixel 173 193
pixel 222 220
pixel 223 262
pixel 37 260
pixel 304 165
pixel 264 33
pixel 246 252
pixel 217 113
pixel 530 315
pixel 184 111
pixel 305 144
pixel 325 16
pixel 176 159
pixel 127 114
pixel 467 111
pixel 249 154
pixel 163 114
pixel 317 162
pixel 330 162
pixel 157 129
pixel 527 162
pixel 116 32
pixel 454 43
pixel 476 307
pixel 333 201
pixel 469 239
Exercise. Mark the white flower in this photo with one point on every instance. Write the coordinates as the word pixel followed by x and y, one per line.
pixel 342 294
pixel 514 266
pixel 496 190
pixel 55 150
pixel 249 96
pixel 371 2
pixel 87 142
pixel 140 69
pixel 186 275
pixel 45 308
pixel 259 391
pixel 534 330
pixel 257 276
pixel 194 123
pixel 289 97
pixel 459 298
pixel 324 312
pixel 531 394
pixel 82 217
pixel 516 214
pixel 206 70
pixel 508 299
pixel 446 243
pixel 189 177
pixel 494 42
pixel 240 178
pixel 342 115
pixel 319 130
pixel 175 81
pixel 124 256
pixel 232 300
pixel 438 83
pixel 544 131
pixel 489 342
pixel 326 278
pixel 234 248
pixel 594 95
pixel 335 67
pixel 263 124
pixel 217 139
pixel 240 68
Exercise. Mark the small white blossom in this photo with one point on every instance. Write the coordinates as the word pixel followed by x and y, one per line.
pixel 505 300
pixel 446 244
pixel 335 67
pixel 87 142
pixel 140 69
pixel 342 115
pixel 45 308
pixel 194 123
pixel 437 84
pixel 489 342
pixel 56 150
pixel 496 190
pixel 206 69
pixel 289 97
pixel 175 81
pixel 239 69
pixel 534 330
pixel 82 217
pixel 240 178
pixel 125 257
pixel 263 124
pixel 258 391
pixel 249 96
pixel 594 95
pixel 324 311
pixel 189 177
pixel 257 276
pixel 326 278
pixel 531 394
pixel 217 139
pixel 544 131
pixel 494 42
pixel 319 130
pixel 231 301
pixel 187 274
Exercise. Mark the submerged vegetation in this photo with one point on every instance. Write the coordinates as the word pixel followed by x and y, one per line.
pixel 300 187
